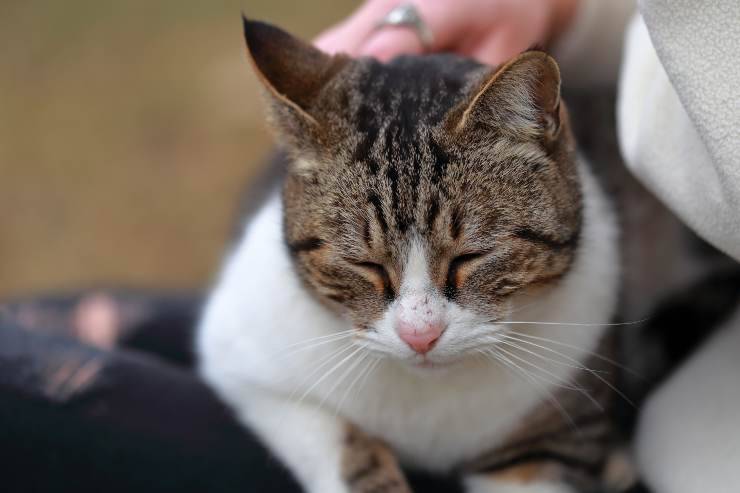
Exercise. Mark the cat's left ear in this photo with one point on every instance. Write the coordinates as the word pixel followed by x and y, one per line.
pixel 522 96
pixel 294 73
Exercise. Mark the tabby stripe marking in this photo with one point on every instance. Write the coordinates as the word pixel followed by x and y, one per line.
pixel 544 455
pixel 432 213
pixel 533 236
pixel 593 431
pixel 440 161
pixel 372 466
pixel 374 200
pixel 305 245
pixel 456 223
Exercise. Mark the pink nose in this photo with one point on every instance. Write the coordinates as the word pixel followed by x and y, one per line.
pixel 421 338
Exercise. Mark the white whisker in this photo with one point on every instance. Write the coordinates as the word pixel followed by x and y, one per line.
pixel 593 372
pixel 347 371
pixel 578 365
pixel 328 373
pixel 570 385
pixel 366 376
pixel 584 351
pixel 326 360
pixel 368 364
pixel 311 343
pixel 557 380
pixel 568 324
pixel 525 306
pixel 533 381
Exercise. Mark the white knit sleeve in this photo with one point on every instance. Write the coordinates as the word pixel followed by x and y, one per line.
pixel 678 113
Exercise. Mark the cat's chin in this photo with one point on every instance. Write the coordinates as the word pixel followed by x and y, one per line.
pixel 429 367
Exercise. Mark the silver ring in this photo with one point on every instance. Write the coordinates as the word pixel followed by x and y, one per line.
pixel 406 15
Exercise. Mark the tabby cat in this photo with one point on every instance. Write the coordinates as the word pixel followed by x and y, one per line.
pixel 432 284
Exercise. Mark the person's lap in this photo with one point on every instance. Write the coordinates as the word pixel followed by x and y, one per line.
pixel 98 391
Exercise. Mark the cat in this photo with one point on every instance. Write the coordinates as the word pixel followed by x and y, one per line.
pixel 432 284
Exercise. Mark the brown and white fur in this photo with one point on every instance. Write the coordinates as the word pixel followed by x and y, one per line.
pixel 428 194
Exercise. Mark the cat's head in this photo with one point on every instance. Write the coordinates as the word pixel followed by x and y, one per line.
pixel 426 198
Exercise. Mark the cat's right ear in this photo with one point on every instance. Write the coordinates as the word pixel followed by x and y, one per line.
pixel 521 97
pixel 294 73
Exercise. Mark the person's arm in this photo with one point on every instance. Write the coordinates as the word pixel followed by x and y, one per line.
pixel 678 113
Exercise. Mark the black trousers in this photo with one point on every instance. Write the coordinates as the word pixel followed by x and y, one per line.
pixel 131 417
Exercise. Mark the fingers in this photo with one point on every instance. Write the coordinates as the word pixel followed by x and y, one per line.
pixel 520 31
pixel 491 31
pixel 391 42
pixel 441 19
pixel 358 35
pixel 497 49
pixel 349 35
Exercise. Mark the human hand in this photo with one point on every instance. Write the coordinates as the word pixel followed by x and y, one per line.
pixel 491 31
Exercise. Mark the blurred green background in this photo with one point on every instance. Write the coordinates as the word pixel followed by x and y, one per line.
pixel 127 131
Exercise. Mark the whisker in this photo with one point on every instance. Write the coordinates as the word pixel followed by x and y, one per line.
pixel 323 362
pixel 578 366
pixel 317 338
pixel 372 369
pixel 327 359
pixel 339 380
pixel 548 395
pixel 311 343
pixel 328 373
pixel 366 373
pixel 568 324
pixel 371 342
pixel 526 305
pixel 593 372
pixel 557 382
pixel 368 364
pixel 570 386
pixel 584 351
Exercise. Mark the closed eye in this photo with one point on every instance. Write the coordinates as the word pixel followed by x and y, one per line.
pixel 454 278
pixel 380 275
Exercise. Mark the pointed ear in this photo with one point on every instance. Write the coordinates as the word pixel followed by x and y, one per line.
pixel 292 71
pixel 521 96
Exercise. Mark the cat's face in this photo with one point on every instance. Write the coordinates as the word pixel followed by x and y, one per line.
pixel 428 197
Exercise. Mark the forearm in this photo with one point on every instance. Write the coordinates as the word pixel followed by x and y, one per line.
pixel 686 158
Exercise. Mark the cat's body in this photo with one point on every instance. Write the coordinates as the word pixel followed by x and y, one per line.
pixel 318 346
pixel 244 317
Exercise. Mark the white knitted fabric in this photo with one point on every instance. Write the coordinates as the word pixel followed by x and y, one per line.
pixel 679 112
pixel 679 105
pixel 679 130
pixel 688 440
pixel 679 123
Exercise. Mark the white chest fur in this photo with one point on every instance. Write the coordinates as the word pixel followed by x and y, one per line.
pixel 258 315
